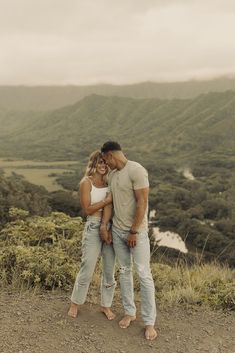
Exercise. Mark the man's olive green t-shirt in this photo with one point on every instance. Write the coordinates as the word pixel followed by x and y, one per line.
pixel 122 184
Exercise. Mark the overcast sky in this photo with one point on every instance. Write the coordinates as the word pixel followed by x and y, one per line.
pixel 115 41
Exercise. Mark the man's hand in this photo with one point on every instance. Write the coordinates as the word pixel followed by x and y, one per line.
pixel 104 234
pixel 131 240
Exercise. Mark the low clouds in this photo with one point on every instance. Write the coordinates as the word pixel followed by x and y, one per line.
pixel 86 42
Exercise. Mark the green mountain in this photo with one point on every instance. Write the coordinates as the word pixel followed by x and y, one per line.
pixel 168 137
pixel 178 130
pixel 53 97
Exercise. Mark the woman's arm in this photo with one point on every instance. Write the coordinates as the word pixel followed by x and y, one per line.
pixel 85 199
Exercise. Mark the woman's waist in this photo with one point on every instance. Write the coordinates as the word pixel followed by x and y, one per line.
pixel 96 221
pixel 94 218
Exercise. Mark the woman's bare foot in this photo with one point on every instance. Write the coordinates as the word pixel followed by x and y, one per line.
pixel 126 321
pixel 150 332
pixel 107 312
pixel 73 310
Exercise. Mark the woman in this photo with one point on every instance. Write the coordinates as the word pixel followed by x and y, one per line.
pixel 93 198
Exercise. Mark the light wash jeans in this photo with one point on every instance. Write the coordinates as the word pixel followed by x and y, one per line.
pixel 92 248
pixel 141 257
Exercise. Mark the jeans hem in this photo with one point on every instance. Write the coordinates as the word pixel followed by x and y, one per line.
pixel 105 306
pixel 130 314
pixel 76 302
pixel 149 323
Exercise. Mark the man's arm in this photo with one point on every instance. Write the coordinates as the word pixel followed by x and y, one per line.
pixel 141 196
pixel 105 234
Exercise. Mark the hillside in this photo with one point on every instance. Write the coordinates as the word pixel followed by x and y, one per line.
pixel 166 136
pixel 53 97
pixel 169 129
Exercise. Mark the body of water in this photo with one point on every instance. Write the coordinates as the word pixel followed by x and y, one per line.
pixel 168 239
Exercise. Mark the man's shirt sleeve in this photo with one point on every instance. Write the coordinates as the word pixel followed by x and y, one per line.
pixel 139 178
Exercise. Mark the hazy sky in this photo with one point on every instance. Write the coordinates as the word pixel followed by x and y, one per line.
pixel 115 41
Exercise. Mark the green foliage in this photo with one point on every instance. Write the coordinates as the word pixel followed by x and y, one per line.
pixel 40 251
pixel 195 211
pixel 64 201
pixel 16 193
pixel 45 252
pixel 166 136
pixel 173 130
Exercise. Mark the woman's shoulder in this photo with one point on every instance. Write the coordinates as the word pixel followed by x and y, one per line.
pixel 85 181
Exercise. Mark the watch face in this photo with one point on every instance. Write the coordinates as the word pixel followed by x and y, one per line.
pixel 133 232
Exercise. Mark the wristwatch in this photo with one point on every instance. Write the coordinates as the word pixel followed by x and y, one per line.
pixel 133 231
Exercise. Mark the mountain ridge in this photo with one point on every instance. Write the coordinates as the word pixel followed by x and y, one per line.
pixel 204 124
pixel 52 97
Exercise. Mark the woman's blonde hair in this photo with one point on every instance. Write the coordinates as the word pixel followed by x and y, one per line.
pixel 94 159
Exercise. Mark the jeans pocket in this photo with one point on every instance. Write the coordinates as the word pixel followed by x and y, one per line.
pixel 93 226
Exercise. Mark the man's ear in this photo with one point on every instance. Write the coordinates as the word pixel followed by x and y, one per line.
pixel 110 154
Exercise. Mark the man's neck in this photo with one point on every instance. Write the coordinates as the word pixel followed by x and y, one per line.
pixel 122 163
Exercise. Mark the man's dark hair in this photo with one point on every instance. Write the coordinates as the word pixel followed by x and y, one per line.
pixel 110 146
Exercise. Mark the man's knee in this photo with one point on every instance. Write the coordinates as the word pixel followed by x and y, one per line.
pixel 144 272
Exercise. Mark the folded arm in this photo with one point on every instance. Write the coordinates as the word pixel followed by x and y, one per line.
pixel 85 199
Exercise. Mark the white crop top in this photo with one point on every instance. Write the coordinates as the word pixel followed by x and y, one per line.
pixel 97 194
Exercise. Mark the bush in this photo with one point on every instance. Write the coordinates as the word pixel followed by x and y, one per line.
pixel 42 251
pixel 45 252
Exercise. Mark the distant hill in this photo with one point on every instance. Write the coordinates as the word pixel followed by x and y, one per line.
pixel 168 136
pixel 53 97
pixel 169 129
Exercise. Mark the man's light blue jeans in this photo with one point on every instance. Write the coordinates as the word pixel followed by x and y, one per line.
pixel 140 254
pixel 92 248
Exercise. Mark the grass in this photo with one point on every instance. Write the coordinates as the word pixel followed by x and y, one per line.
pixel 210 284
pixel 45 253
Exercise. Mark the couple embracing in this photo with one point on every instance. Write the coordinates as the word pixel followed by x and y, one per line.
pixel 116 207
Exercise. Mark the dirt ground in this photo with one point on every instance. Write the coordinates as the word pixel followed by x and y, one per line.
pixel 38 323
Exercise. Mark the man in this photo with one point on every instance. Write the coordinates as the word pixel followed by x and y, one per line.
pixel 128 182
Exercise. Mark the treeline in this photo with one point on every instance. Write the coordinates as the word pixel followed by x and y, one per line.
pixel 166 136
pixel 16 192
pixel 201 211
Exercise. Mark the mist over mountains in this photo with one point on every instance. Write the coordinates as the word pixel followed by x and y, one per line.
pixel 179 130
pixel 53 97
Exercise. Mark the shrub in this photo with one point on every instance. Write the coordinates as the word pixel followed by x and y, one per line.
pixel 42 251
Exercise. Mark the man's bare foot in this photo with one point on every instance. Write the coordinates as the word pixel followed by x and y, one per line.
pixel 107 312
pixel 150 332
pixel 73 310
pixel 126 321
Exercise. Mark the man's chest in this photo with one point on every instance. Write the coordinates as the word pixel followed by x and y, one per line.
pixel 121 182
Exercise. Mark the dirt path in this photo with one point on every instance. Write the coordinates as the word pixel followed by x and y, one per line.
pixel 39 324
